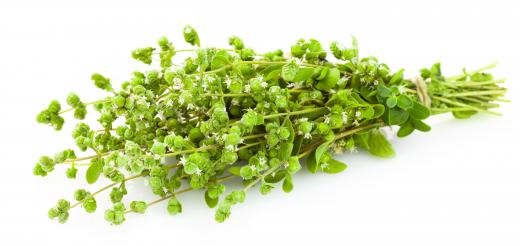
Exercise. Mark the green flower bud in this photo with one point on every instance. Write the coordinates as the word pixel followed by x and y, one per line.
pixel 236 42
pixel 80 194
pixel 116 195
pixel 47 164
pixel 53 213
pixel 247 54
pixel 284 133
pixel 232 139
pixel 44 117
pixel 323 129
pixel 101 82
pixel 293 165
pixel 238 196
pixel 54 107
pixel 71 172
pixel 63 205
pixel 63 217
pixel 174 206
pixel 246 172
pixel 138 206
pixel 143 54
pixel 229 157
pixel 73 100
pixel 132 149
pixel 215 191
pixel 222 213
pixel 191 36
pixel 272 140
pixel 38 170
pixel 305 127
pixel 195 135
pixel 90 204
pixel 158 148
pixel 299 49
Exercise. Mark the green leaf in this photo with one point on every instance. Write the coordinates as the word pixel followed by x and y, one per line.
pixel 287 185
pixel 383 91
pixel 361 140
pixel 379 110
pixel 391 102
pixel 211 202
pixel 334 166
pixel 234 170
pixel 321 149
pixel 397 116
pixel 304 73
pixel 419 111
pixel 298 141
pixel 421 126
pixel 405 129
pixel 404 102
pixel 329 81
pixel 285 151
pixel 397 77
pixel 379 146
pixel 463 114
pixel 312 165
pixel 94 170
pixel 368 113
pixel 288 123
pixel 277 177
pixel 289 71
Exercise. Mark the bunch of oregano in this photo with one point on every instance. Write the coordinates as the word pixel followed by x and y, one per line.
pixel 235 115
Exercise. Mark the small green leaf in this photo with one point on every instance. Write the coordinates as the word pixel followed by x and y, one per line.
pixel 289 71
pixel 321 149
pixel 330 80
pixel 287 185
pixel 405 129
pixel 383 91
pixel 361 140
pixel 285 151
pixel 463 114
pixel 397 77
pixel 368 113
pixel 234 170
pixel 421 126
pixel 379 146
pixel 304 73
pixel 211 202
pixel 404 102
pixel 397 116
pixel 419 111
pixel 288 123
pixel 94 170
pixel 277 177
pixel 391 102
pixel 334 166
pixel 298 141
pixel 312 165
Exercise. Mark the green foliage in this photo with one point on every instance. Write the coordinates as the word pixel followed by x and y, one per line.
pixel 235 115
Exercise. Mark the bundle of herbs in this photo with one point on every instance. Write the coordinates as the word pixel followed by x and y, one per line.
pixel 234 115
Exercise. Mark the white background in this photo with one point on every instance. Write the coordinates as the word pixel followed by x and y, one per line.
pixel 456 185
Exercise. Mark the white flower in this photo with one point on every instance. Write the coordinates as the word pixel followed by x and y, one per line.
pixel 253 167
pixel 356 123
pixel 181 100
pixel 327 120
pixel 344 117
pixel 324 165
pixel 231 147
pixel 247 88
pixel 267 105
pixel 228 82
pixel 264 84
pixel 358 114
pixel 304 119
pixel 291 85
pixel 307 136
pixel 376 82
pixel 205 86
pixel 198 171
pixel 182 161
pixel 262 160
pixel 190 106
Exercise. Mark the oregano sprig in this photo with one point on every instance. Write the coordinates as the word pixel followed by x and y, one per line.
pixel 234 114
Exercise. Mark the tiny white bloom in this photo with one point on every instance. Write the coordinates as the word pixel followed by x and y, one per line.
pixel 253 167
pixel 291 85
pixel 307 136
pixel 228 82
pixel 198 171
pixel 327 120
pixel 358 114
pixel 344 117
pixel 190 106
pixel 262 160
pixel 182 161
pixel 247 88
pixel 230 147
pixel 401 89
pixel 324 165
pixel 264 84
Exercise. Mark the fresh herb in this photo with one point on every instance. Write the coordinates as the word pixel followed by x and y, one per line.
pixel 232 114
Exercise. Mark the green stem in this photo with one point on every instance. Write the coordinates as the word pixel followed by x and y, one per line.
pixel 469 107
pixel 478 93
pixel 271 170
pixel 85 104
pixel 305 111
pixel 107 187
pixel 460 76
